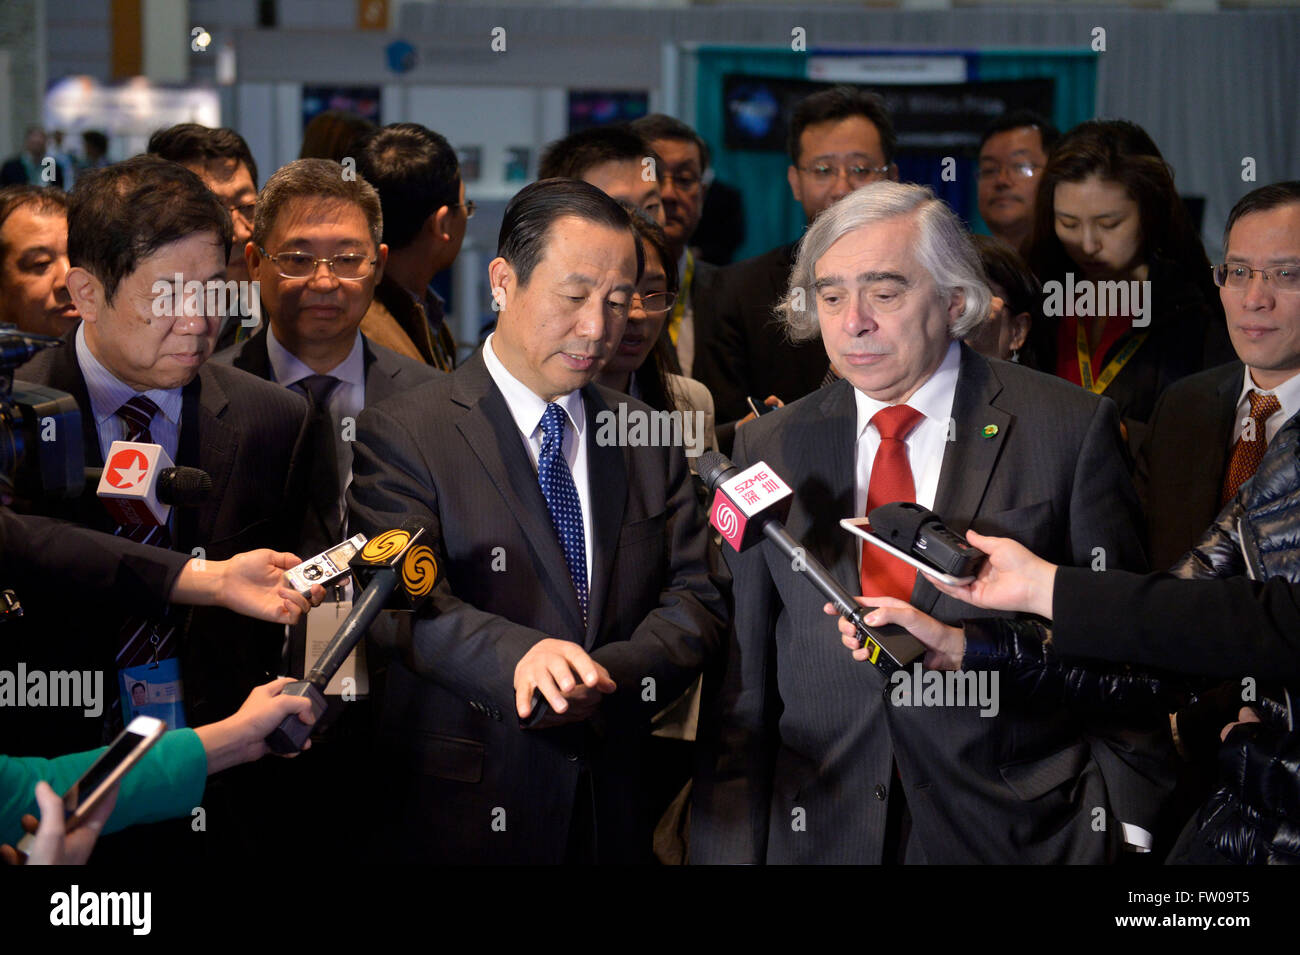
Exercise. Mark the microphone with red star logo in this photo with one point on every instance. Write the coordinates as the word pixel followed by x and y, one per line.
pixel 139 484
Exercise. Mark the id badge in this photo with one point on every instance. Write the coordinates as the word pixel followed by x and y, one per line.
pixel 322 623
pixel 153 689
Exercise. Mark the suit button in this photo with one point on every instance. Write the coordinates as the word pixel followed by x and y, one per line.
pixel 881 792
pixel 496 714
pixel 571 757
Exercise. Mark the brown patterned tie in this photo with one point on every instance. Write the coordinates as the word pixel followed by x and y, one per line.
pixel 1246 455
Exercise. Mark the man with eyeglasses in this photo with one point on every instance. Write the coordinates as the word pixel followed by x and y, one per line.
pixel 316 254
pixel 222 159
pixel 684 159
pixel 417 175
pixel 839 139
pixel 1013 152
pixel 1209 430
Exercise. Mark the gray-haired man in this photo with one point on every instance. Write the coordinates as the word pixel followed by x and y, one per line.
pixel 812 757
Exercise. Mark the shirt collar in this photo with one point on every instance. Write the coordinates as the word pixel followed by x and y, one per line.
pixel 289 369
pixel 108 392
pixel 1288 394
pixel 933 399
pixel 526 407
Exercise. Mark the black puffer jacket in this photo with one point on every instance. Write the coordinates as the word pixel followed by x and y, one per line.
pixel 1255 817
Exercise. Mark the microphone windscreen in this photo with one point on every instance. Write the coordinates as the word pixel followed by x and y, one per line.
pixel 711 467
pixel 184 487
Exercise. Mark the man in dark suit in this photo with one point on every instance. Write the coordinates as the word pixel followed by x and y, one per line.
pixel 576 598
pixel 1209 430
pixel 809 756
pixel 684 160
pixel 316 255
pixel 242 432
pixel 839 139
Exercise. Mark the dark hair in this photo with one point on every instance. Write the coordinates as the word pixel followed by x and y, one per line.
pixel 1021 119
pixel 659 126
pixel 333 134
pixel 533 210
pixel 188 143
pixel 1119 151
pixel 652 375
pixel 94 138
pixel 123 213
pixel 1257 200
pixel 321 180
pixel 1004 267
pixel 416 173
pixel 572 156
pixel 841 102
pixel 47 202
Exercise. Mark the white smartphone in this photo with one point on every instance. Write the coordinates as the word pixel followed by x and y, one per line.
pixel 861 526
pixel 124 752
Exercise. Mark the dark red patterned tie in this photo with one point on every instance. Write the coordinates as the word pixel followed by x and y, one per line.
pixel 891 480
pixel 1246 455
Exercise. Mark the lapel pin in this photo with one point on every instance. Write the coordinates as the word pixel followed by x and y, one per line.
pixel 989 430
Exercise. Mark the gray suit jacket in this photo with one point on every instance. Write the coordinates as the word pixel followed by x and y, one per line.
pixel 468 784
pixel 799 740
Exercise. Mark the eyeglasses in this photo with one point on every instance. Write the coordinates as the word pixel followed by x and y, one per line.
pixel 657 302
pixel 823 172
pixel 350 267
pixel 1018 170
pixel 469 206
pixel 1285 278
pixel 245 212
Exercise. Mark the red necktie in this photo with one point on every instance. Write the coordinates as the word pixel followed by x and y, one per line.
pixel 891 480
pixel 1246 455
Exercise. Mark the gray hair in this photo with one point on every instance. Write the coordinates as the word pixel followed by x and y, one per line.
pixel 943 247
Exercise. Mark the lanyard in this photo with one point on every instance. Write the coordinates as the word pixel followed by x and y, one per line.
pixel 679 310
pixel 1112 369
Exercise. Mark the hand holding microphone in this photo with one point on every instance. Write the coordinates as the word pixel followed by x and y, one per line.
pixel 251 583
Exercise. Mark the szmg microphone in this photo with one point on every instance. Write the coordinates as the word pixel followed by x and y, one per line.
pixel 398 572
pixel 751 504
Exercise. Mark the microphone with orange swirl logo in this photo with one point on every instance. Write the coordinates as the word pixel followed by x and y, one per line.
pixel 396 570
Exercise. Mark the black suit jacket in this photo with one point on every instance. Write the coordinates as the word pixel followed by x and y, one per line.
pixel 247 435
pixel 471 785
pixel 386 374
pixel 1184 459
pixel 797 731
pixel 747 352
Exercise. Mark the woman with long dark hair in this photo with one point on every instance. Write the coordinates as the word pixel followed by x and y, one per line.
pixel 1107 222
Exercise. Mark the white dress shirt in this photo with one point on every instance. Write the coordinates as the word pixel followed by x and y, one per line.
pixel 1288 396
pixel 925 445
pixel 527 408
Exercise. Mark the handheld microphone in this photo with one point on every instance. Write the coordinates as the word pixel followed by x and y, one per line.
pixel 398 572
pixel 139 484
pixel 753 503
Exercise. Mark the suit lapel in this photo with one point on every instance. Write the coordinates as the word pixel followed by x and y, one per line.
pixel 826 496
pixel 254 358
pixel 489 430
pixel 380 378
pixel 608 499
pixel 1223 423
pixel 971 454
pixel 208 443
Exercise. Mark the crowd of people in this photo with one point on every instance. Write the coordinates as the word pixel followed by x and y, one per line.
pixel 596 678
